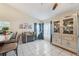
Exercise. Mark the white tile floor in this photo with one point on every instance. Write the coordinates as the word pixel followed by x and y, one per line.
pixel 40 48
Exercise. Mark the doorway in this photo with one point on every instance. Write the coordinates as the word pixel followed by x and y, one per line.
pixel 39 30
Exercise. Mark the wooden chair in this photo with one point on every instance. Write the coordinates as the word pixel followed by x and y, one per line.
pixel 6 47
pixel 12 39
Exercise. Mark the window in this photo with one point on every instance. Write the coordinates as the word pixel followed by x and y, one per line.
pixel 4 24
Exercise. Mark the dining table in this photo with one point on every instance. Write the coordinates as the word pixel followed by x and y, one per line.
pixel 4 39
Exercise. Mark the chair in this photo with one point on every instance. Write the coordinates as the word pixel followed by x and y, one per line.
pixel 12 39
pixel 23 37
pixel 6 47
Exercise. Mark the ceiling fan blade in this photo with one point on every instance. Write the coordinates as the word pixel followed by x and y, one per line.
pixel 55 5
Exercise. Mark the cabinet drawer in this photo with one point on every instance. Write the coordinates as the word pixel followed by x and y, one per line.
pixel 68 37
pixel 56 35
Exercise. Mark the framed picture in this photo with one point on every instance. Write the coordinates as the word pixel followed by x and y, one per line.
pixel 21 26
pixel 25 26
pixel 30 27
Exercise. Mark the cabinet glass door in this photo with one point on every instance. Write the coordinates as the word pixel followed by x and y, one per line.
pixel 57 26
pixel 68 26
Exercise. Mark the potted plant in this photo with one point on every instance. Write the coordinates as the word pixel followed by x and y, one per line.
pixel 5 29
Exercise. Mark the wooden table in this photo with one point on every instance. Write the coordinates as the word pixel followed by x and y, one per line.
pixel 4 38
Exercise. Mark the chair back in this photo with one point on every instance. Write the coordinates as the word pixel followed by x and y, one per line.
pixel 17 37
pixel 16 34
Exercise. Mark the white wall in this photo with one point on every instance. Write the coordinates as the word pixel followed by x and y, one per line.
pixel 15 17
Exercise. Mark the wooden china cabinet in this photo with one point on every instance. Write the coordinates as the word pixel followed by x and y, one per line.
pixel 66 33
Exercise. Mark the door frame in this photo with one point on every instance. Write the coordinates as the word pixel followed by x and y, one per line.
pixel 35 30
pixel 50 31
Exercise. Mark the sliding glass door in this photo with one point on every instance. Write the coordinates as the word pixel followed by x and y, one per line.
pixel 39 30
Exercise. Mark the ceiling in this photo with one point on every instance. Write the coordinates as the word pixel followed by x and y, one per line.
pixel 43 11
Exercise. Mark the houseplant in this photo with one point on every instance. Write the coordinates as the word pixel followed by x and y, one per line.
pixel 5 30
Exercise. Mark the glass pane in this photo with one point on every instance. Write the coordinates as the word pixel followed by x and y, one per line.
pixel 57 26
pixel 68 26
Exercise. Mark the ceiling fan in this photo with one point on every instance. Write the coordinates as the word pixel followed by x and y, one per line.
pixel 55 6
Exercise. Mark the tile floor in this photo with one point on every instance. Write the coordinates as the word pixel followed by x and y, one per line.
pixel 40 48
